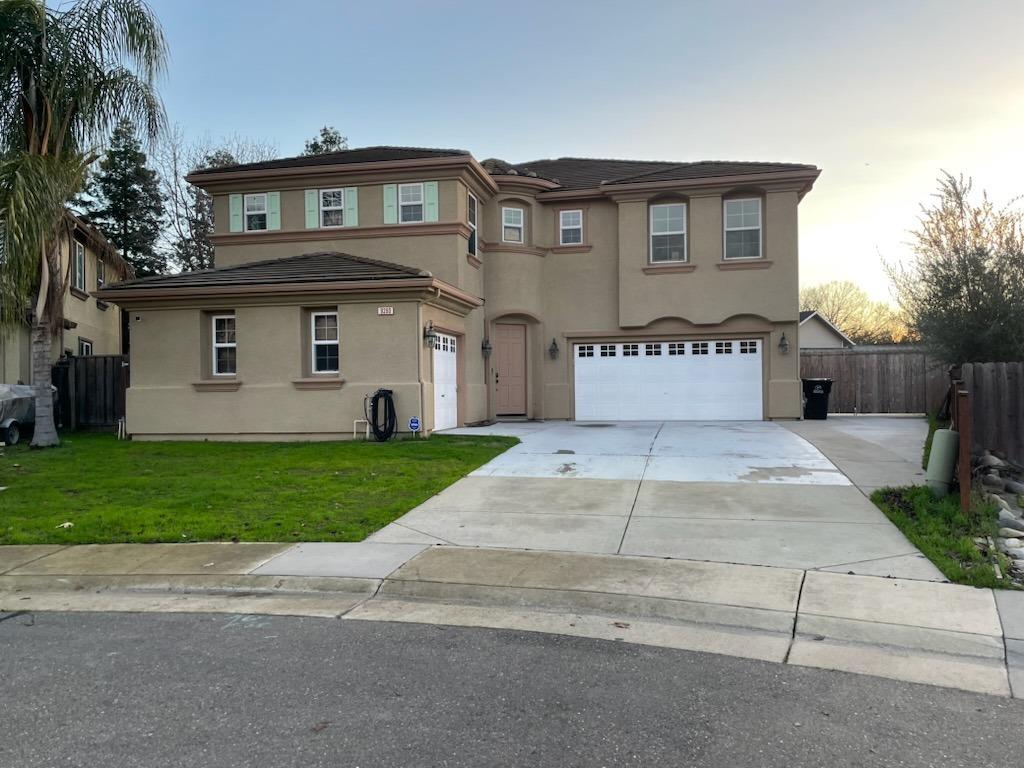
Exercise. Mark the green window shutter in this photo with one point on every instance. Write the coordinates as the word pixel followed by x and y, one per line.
pixel 312 209
pixel 273 210
pixel 351 206
pixel 430 201
pixel 390 204
pixel 236 213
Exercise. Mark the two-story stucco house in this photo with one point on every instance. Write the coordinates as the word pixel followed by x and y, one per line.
pixel 558 289
pixel 91 326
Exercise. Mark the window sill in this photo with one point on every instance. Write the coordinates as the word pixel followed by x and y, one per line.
pixel 78 293
pixel 217 385
pixel 571 248
pixel 474 261
pixel 657 269
pixel 744 264
pixel 101 304
pixel 318 382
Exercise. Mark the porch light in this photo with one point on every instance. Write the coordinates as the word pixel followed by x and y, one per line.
pixel 429 334
pixel 485 348
pixel 553 350
pixel 784 345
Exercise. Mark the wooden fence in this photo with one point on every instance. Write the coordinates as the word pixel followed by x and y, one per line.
pixel 878 379
pixel 997 407
pixel 90 391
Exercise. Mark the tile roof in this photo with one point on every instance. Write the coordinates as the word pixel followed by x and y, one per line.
pixel 322 267
pixel 583 172
pixel 359 155
pixel 806 313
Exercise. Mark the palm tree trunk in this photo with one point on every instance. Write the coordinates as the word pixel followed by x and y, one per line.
pixel 45 435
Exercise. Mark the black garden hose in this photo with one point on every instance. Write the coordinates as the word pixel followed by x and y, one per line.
pixel 383 419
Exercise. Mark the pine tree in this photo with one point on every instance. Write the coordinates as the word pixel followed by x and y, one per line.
pixel 129 206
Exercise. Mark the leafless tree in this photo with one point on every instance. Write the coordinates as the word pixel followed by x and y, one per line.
pixel 849 309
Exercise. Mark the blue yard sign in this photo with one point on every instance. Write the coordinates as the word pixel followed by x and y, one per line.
pixel 414 424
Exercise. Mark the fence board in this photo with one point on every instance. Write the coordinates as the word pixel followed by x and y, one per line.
pixel 878 379
pixel 997 405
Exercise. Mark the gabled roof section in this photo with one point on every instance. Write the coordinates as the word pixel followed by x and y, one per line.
pixel 321 267
pixel 807 314
pixel 381 154
pixel 94 236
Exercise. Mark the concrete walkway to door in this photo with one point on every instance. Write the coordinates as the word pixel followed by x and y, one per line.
pixel 734 492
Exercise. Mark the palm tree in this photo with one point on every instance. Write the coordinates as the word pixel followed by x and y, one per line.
pixel 67 75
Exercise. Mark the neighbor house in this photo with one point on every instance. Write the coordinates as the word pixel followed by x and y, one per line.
pixel 92 326
pixel 557 289
pixel 817 332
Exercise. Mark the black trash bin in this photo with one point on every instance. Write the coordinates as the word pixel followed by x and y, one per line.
pixel 816 393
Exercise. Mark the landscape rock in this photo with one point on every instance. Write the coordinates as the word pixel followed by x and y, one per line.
pixel 999 501
pixel 1014 486
pixel 988 460
pixel 1011 543
pixel 1009 533
pixel 1007 520
pixel 1015 552
pixel 993 481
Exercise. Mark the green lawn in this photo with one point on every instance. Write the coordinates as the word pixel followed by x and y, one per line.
pixel 945 534
pixel 145 492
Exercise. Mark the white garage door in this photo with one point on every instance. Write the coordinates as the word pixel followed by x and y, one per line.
pixel 446 381
pixel 669 380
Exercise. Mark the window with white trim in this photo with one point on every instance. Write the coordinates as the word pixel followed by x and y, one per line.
pixel 255 212
pixel 743 228
pixel 652 350
pixel 84 347
pixel 512 225
pixel 78 278
pixel 224 345
pixel 699 348
pixel 324 333
pixel 472 206
pixel 607 350
pixel 668 232
pixel 585 350
pixel 101 272
pixel 332 207
pixel 410 203
pixel 676 348
pixel 723 347
pixel 630 350
pixel 748 347
pixel 570 227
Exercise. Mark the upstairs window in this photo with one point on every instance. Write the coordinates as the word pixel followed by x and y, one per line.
pixel 471 214
pixel 743 229
pixel 325 342
pixel 668 233
pixel 570 227
pixel 224 345
pixel 512 225
pixel 332 207
pixel 410 203
pixel 78 278
pixel 84 347
pixel 101 273
pixel 256 212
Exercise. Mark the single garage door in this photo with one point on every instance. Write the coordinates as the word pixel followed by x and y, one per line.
pixel 669 380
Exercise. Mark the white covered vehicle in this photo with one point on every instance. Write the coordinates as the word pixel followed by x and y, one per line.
pixel 17 409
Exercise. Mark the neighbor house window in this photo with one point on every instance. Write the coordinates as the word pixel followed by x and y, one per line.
pixel 668 232
pixel 84 347
pixel 410 203
pixel 325 342
pixel 512 225
pixel 332 207
pixel 570 227
pixel 224 346
pixel 255 212
pixel 743 229
pixel 471 214
pixel 79 272
pixel 101 272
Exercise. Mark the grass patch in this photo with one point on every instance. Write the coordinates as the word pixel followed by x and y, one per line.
pixel 945 534
pixel 114 491
pixel 934 423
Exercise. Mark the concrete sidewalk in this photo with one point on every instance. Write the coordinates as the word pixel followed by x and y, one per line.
pixel 923 632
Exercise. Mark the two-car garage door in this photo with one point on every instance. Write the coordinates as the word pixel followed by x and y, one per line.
pixel 669 380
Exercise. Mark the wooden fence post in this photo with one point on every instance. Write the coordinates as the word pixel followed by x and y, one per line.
pixel 963 412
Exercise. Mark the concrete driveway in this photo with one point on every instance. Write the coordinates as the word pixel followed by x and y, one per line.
pixel 736 492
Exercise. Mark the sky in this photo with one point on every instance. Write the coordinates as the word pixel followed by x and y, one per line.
pixel 882 96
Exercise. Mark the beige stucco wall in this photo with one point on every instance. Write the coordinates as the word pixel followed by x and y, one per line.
pixel 815 334
pixel 16 356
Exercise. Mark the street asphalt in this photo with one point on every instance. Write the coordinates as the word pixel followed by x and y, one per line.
pixel 125 690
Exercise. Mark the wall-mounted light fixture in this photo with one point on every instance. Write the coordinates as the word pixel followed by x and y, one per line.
pixel 429 334
pixel 784 345
pixel 485 348
pixel 553 350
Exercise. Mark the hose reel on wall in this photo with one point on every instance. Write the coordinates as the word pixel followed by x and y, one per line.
pixel 379 409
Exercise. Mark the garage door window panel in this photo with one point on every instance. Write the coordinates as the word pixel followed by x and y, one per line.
pixel 668 233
